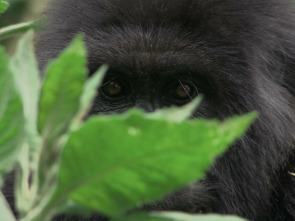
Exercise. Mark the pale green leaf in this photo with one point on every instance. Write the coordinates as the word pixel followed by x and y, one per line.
pixel 89 93
pixel 11 30
pixel 178 216
pixel 26 75
pixel 177 114
pixel 6 213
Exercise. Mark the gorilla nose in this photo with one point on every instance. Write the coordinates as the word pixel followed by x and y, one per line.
pixel 147 105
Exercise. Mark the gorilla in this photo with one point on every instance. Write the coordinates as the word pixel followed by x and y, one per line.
pixel 239 54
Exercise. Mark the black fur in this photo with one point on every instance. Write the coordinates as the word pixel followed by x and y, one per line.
pixel 242 56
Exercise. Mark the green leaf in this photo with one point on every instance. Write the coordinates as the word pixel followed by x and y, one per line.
pixel 115 163
pixel 89 93
pixel 3 6
pixel 11 117
pixel 61 90
pixel 26 75
pixel 177 114
pixel 5 211
pixel 141 217
pixel 11 30
pixel 175 216
pixel 90 88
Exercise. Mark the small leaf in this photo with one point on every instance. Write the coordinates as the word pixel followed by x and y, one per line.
pixel 26 75
pixel 89 93
pixel 61 90
pixel 178 216
pixel 3 6
pixel 177 114
pixel 90 88
pixel 115 163
pixel 11 117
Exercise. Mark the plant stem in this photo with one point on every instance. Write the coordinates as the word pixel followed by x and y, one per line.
pixel 17 28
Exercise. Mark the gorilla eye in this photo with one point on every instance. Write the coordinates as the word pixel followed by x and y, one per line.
pixel 183 91
pixel 112 89
pixel 180 92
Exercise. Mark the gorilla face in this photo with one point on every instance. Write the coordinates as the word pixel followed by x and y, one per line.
pixel 239 54
pixel 151 84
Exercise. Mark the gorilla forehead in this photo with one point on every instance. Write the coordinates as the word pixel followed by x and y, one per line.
pixel 183 12
pixel 148 49
pixel 176 28
pixel 226 16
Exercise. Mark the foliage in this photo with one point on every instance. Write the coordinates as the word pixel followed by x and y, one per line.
pixel 16 28
pixel 109 164
pixel 3 6
pixel 66 162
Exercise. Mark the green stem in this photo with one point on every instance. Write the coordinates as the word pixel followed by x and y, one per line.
pixel 17 28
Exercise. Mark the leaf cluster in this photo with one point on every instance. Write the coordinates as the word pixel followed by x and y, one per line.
pixel 68 162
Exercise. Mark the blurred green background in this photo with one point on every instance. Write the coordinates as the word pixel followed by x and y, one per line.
pixel 20 11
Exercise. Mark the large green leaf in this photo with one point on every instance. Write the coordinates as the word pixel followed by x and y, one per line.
pixel 61 90
pixel 114 163
pixel 11 117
